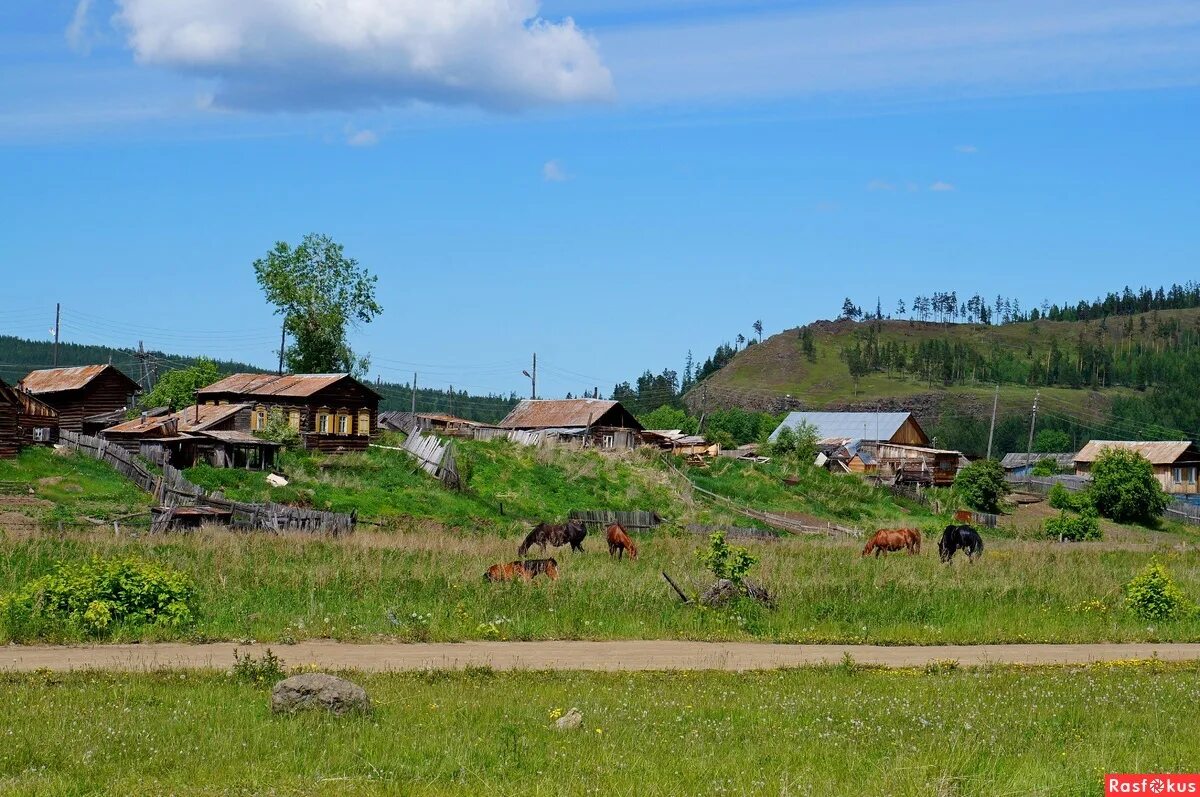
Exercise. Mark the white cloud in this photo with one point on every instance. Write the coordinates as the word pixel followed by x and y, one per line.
pixel 323 54
pixel 967 149
pixel 881 185
pixel 362 138
pixel 941 186
pixel 77 30
pixel 554 172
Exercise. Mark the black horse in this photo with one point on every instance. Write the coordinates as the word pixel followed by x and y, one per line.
pixel 956 538
pixel 544 534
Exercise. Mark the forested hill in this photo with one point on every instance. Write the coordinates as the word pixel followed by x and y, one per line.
pixel 18 357
pixel 1115 376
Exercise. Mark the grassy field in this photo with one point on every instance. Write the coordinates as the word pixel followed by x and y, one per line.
pixel 43 489
pixel 427 585
pixel 829 731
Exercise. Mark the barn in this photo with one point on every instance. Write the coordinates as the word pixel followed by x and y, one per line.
pixel 332 412
pixel 81 392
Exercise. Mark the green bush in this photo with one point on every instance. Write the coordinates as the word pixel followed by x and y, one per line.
pixel 724 560
pixel 1079 528
pixel 259 672
pixel 1062 498
pixel 279 430
pixel 982 485
pixel 1045 467
pixel 1153 595
pixel 1124 488
pixel 98 597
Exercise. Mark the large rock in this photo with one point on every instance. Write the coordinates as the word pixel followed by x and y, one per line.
pixel 318 690
pixel 569 721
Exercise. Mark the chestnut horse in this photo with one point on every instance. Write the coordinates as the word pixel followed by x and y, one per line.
pixel 886 540
pixel 526 570
pixel 619 542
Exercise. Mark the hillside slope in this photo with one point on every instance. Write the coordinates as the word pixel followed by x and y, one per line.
pixel 949 371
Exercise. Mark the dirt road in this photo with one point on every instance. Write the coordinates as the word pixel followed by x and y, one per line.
pixel 630 655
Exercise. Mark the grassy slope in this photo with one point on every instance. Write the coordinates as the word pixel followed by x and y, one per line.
pixel 509 486
pixel 778 366
pixel 279 588
pixel 41 488
pixel 833 731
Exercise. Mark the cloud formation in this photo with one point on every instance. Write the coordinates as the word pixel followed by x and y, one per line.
pixel 967 149
pixel 77 30
pixel 299 55
pixel 362 138
pixel 941 186
pixel 553 172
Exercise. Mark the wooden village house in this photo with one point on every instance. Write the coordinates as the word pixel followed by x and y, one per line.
pixel 1176 464
pixel 331 412
pixel 889 445
pixel 81 392
pixel 10 425
pixel 600 423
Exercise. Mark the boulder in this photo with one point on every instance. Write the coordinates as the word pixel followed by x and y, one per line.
pixel 275 480
pixel 318 690
pixel 569 721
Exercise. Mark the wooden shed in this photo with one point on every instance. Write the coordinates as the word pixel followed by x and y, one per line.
pixel 1176 463
pixel 10 427
pixel 889 427
pixel 332 412
pixel 602 423
pixel 80 392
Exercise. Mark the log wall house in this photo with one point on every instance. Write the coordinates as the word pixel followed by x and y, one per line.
pixel 81 392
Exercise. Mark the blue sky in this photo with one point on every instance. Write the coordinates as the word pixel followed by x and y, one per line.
pixel 609 190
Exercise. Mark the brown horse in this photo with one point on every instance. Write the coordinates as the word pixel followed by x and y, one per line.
pixel 886 540
pixel 619 542
pixel 570 533
pixel 526 570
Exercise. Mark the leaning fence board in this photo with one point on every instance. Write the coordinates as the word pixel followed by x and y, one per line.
pixel 172 489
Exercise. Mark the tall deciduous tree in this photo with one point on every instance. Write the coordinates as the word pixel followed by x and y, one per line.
pixel 177 389
pixel 320 293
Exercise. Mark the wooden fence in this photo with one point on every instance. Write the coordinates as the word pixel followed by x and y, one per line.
pixel 172 489
pixel 600 519
pixel 1177 509
pixel 433 455
pixel 734 532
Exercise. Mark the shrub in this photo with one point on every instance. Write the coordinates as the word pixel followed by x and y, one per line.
pixel 1079 528
pixel 97 597
pixel 982 485
pixel 724 560
pixel 1124 488
pixel 1062 498
pixel 279 430
pixel 1153 595
pixel 1045 467
pixel 259 672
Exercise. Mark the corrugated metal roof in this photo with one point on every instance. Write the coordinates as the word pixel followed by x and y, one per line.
pixel 1158 452
pixel 1019 459
pixel 556 413
pixel 860 425
pixel 239 438
pixel 293 385
pixel 187 420
pixel 57 380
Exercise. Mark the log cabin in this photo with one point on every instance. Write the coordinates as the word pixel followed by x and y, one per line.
pixel 331 412
pixel 80 392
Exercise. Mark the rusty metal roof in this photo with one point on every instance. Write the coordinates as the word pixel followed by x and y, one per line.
pixel 557 413
pixel 1158 452
pixel 186 420
pixel 292 385
pixel 57 380
pixel 240 438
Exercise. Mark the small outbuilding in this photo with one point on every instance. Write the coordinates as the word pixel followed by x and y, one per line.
pixel 10 426
pixel 602 423
pixel 1021 463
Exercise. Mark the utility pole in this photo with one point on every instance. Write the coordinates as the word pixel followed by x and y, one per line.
pixel 414 394
pixel 534 377
pixel 451 412
pixel 57 320
pixel 703 407
pixel 1032 421
pixel 141 355
pixel 992 429
pixel 282 344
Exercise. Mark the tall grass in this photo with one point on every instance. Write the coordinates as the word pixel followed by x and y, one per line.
pixel 835 731
pixel 375 585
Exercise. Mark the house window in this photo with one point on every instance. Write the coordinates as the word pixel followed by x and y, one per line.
pixel 608 441
pixel 294 419
pixel 364 422
pixel 1177 475
pixel 343 423
pixel 324 422
pixel 258 421
pixel 1192 475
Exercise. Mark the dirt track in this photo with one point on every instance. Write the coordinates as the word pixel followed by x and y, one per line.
pixel 632 655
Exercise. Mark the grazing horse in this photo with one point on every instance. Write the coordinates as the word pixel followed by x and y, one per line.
pixel 886 540
pixel 543 534
pixel 526 570
pixel 619 542
pixel 956 538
